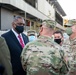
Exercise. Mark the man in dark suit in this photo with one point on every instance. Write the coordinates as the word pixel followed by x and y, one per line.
pixel 16 40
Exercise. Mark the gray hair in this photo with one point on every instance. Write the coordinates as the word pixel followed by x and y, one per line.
pixel 17 17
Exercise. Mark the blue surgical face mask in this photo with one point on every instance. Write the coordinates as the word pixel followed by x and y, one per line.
pixel 32 38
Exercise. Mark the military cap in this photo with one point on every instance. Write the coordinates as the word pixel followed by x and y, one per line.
pixel 49 23
pixel 71 22
pixel 31 32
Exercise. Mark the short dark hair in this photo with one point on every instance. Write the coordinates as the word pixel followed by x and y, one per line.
pixel 58 31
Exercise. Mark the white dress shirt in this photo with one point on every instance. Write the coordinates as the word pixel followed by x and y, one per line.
pixel 16 34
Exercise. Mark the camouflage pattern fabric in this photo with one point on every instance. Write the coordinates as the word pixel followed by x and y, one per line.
pixel 49 23
pixel 44 57
pixel 30 32
pixel 73 52
pixel 66 47
pixel 67 52
pixel 71 22
pixel 69 47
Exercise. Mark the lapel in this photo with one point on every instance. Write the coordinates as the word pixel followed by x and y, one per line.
pixel 14 38
pixel 24 38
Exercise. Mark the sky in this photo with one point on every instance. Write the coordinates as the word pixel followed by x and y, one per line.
pixel 69 7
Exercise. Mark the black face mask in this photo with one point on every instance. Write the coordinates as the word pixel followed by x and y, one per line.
pixel 19 29
pixel 57 41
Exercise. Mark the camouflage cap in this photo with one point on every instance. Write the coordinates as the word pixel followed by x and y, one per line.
pixel 30 32
pixel 49 23
pixel 71 22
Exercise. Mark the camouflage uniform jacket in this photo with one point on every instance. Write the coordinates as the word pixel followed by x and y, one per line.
pixel 67 52
pixel 43 57
pixel 66 47
pixel 73 52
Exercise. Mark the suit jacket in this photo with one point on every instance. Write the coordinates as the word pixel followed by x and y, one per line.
pixel 15 49
pixel 5 60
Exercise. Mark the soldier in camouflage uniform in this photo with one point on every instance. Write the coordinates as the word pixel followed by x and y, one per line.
pixel 64 43
pixel 71 31
pixel 43 56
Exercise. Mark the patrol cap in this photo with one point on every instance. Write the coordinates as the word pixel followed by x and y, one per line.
pixel 71 22
pixel 49 23
pixel 31 32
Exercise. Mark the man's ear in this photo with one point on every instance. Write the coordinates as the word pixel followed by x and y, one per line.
pixel 13 24
pixel 41 29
